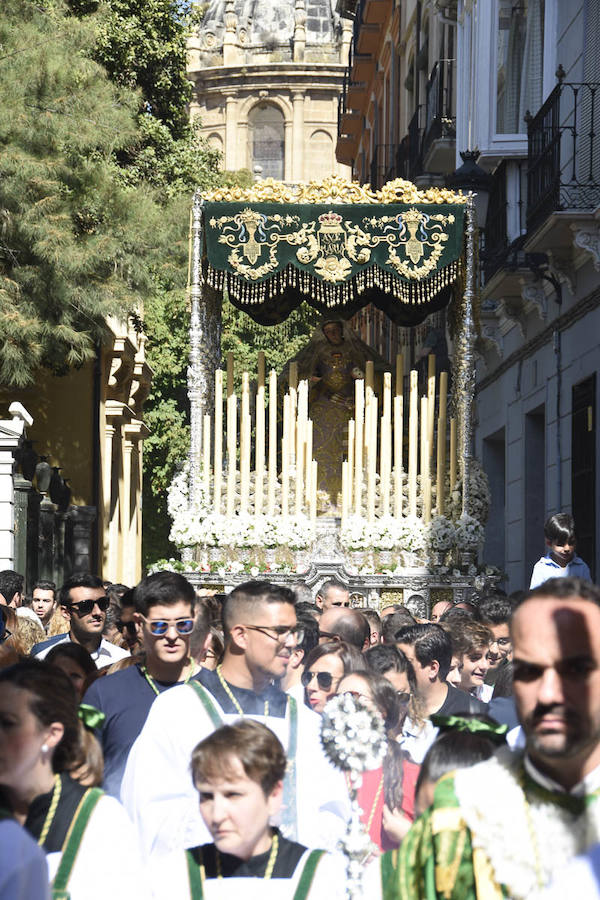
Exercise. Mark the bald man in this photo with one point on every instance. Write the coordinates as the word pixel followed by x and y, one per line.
pixel 347 625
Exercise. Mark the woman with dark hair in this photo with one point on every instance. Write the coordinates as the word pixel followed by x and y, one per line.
pixel 77 664
pixel 459 745
pixel 77 827
pixel 323 669
pixel 386 795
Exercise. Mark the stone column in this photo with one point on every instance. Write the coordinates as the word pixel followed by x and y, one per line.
pixel 288 150
pixel 298 136
pixel 230 130
pixel 230 45
pixel 27 512
pixel 127 573
pixel 299 31
pixel 11 435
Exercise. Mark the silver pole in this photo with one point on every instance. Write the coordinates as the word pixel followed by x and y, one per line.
pixel 467 356
pixel 196 375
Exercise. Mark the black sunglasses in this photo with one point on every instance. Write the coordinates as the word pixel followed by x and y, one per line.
pixel 126 626
pixel 324 679
pixel 403 696
pixel 85 607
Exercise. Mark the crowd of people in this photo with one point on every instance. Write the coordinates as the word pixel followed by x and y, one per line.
pixel 160 741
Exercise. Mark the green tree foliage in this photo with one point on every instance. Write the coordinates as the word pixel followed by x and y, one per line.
pixel 74 241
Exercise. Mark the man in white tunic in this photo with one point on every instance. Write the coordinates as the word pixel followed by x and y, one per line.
pixel 260 627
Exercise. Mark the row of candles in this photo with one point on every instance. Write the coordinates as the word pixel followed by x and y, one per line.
pixel 373 441
pixel 373 438
pixel 299 471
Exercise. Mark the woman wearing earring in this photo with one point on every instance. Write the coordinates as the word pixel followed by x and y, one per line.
pixel 325 666
pixel 77 827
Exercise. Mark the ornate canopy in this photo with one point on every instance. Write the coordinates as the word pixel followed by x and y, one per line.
pixel 335 245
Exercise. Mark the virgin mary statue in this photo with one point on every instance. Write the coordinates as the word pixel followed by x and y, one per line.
pixel 331 362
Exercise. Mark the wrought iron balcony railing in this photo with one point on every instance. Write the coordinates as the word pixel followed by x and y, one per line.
pixel 440 113
pixel 507 197
pixel 564 152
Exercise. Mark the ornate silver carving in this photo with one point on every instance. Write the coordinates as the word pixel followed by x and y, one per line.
pixel 534 295
pixel 196 374
pixel 465 364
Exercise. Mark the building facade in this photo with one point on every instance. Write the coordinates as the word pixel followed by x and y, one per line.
pixel 518 81
pixel 87 426
pixel 267 78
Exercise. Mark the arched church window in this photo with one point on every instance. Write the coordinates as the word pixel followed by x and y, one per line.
pixel 267 140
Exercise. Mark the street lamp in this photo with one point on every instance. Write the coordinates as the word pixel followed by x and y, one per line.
pixel 471 177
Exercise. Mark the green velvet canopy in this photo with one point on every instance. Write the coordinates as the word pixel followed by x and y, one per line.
pixel 271 255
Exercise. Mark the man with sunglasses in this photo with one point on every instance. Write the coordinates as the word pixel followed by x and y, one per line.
pixel 164 618
pixel 261 633
pixel 84 603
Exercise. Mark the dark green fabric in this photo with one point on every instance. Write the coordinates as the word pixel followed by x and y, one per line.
pixel 308 873
pixel 207 703
pixel 71 848
pixel 271 257
pixel 196 891
pixel 276 235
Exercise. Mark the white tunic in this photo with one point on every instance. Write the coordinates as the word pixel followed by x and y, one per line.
pixel 108 865
pixel 160 797
pixel 170 881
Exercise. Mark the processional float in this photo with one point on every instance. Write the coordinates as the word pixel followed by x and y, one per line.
pixel 251 474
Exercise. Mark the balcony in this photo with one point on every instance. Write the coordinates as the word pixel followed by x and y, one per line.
pixel 505 223
pixel 409 157
pixel 563 176
pixel 439 138
pixel 384 165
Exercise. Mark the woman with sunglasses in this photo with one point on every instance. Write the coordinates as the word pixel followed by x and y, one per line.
pixel 325 666
pixel 77 827
pixel 387 794
pixel 84 604
pixel 164 618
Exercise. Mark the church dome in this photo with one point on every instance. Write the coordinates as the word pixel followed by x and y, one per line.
pixel 269 27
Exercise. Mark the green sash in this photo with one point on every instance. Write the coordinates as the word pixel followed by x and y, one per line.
pixel 302 889
pixel 289 822
pixel 308 873
pixel 72 843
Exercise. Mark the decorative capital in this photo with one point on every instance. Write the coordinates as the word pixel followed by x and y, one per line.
pixel 588 238
pixel 534 295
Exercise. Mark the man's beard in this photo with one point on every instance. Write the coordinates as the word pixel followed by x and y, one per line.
pixel 566 744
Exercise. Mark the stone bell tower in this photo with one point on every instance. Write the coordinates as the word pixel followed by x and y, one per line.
pixel 267 77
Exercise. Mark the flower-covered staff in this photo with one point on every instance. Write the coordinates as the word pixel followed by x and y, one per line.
pixel 354 738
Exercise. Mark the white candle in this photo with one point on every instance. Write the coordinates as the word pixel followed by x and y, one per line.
pixel 272 442
pixel 413 432
pixel 441 445
pixel 231 451
pixel 308 462
pixel 218 457
pixel 372 458
pixel 285 456
pixel 359 404
pixel 430 400
pixel 206 459
pixel 245 445
pixel 260 435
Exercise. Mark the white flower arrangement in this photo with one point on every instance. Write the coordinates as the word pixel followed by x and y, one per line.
pixel 440 534
pixel 353 734
pixel 469 533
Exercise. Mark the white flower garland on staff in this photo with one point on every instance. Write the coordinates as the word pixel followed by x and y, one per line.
pixel 353 737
